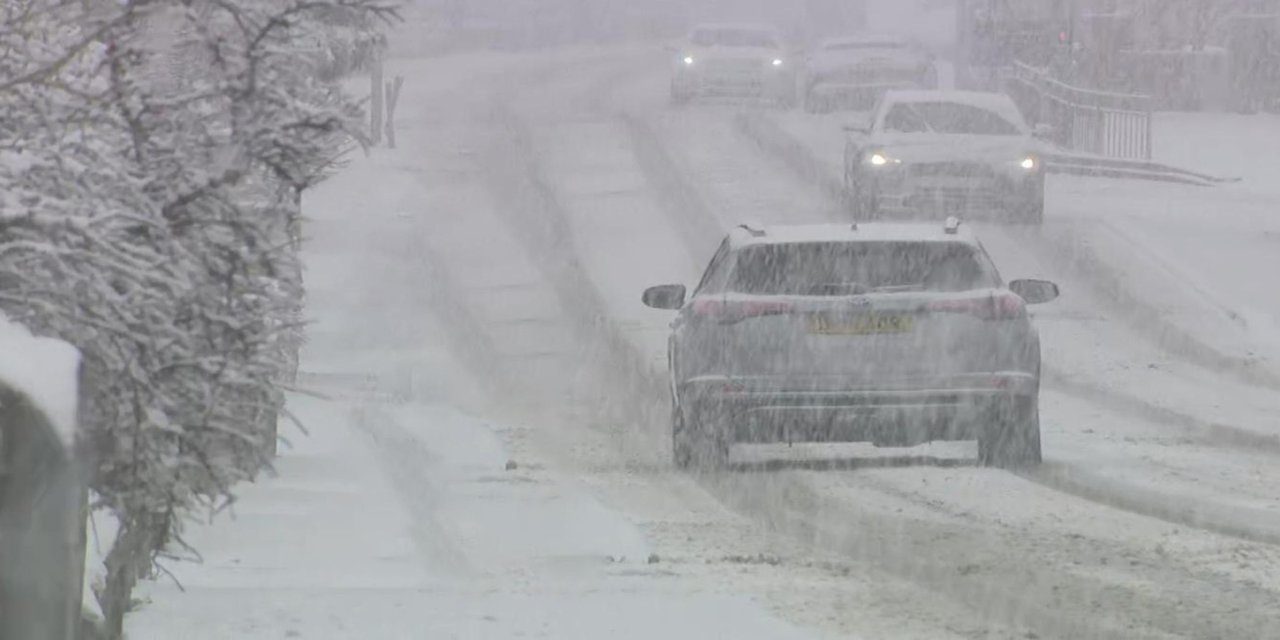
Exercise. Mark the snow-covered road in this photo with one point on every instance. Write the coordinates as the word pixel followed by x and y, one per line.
pixel 491 267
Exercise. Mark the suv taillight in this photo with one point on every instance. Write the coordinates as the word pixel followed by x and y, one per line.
pixel 996 307
pixel 731 311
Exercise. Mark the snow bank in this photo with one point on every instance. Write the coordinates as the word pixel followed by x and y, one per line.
pixel 44 370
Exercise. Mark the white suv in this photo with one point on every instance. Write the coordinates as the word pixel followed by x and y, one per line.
pixel 895 334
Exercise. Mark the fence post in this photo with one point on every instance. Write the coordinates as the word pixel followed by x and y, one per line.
pixel 376 108
pixel 1147 146
pixel 393 97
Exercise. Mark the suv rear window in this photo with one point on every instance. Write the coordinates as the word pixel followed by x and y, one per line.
pixel 847 268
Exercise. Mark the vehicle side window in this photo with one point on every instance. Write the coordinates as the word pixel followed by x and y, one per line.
pixel 714 277
pixel 903 119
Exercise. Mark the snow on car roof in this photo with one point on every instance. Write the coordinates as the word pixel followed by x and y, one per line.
pixel 866 232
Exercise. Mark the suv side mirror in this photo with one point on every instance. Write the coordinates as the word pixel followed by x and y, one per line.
pixel 667 296
pixel 1035 291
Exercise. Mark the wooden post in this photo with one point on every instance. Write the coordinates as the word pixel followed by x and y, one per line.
pixel 393 97
pixel 376 108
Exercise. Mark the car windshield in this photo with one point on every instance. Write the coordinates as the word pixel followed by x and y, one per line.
pixel 948 118
pixel 734 38
pixel 846 268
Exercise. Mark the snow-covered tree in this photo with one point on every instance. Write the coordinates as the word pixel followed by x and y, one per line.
pixel 152 153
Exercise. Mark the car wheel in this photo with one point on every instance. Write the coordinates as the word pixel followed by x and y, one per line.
pixel 692 447
pixel 1012 438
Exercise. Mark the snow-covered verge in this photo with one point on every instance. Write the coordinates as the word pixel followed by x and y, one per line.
pixel 46 371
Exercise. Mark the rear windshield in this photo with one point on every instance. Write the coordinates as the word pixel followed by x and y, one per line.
pixel 947 117
pixel 734 38
pixel 846 268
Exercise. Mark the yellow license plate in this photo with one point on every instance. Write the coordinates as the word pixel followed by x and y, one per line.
pixel 869 324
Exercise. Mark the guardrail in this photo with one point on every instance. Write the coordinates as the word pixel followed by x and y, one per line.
pixel 1101 167
pixel 1113 125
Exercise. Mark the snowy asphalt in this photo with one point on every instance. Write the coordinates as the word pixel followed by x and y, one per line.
pixel 493 264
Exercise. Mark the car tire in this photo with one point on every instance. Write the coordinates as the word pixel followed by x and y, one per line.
pixel 692 448
pixel 1012 438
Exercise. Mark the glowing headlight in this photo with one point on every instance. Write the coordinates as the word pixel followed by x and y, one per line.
pixel 777 62
pixel 688 60
pixel 1029 163
pixel 879 159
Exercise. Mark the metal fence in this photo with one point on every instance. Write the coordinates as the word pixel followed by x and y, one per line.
pixel 1114 125
pixel 43 513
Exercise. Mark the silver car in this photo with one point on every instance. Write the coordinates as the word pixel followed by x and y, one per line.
pixel 943 153
pixel 733 60
pixel 894 334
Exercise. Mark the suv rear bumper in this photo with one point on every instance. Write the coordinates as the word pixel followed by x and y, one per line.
pixel 762 410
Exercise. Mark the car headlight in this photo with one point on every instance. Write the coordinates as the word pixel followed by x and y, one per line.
pixel 881 159
pixel 1030 163
pixel 688 61
pixel 777 62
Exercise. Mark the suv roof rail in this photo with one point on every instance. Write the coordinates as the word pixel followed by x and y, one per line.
pixel 756 230
pixel 951 226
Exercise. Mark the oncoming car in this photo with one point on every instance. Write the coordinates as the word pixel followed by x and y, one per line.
pixel 732 60
pixel 944 153
pixel 855 71
pixel 894 334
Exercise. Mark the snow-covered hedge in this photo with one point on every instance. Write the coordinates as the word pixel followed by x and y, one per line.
pixel 152 154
